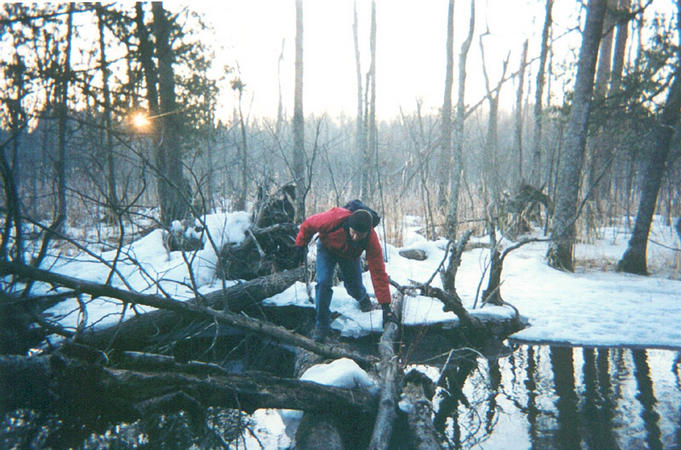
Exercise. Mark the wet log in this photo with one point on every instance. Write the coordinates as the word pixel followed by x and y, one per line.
pixel 389 376
pixel 92 394
pixel 190 310
pixel 416 401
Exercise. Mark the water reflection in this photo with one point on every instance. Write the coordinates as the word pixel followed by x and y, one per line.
pixel 563 397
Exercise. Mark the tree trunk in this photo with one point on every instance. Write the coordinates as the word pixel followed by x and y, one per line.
pixel 372 132
pixel 490 166
pixel 360 138
pixel 240 204
pixel 446 157
pixel 173 189
pixel 560 252
pixel 621 36
pixel 634 258
pixel 598 152
pixel 535 167
pixel 60 162
pixel 518 121
pixel 389 376
pixel 299 120
pixel 451 222
pixel 112 200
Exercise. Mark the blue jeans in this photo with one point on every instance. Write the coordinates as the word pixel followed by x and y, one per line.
pixel 351 271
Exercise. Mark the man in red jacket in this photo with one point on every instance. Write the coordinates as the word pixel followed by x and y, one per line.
pixel 343 236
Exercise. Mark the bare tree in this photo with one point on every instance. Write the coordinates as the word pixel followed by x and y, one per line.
pixel 298 119
pixel 535 167
pixel 457 163
pixel 360 136
pixel 242 146
pixel 560 252
pixel 370 124
pixel 62 110
pixel 490 166
pixel 112 199
pixel 518 121
pixel 446 158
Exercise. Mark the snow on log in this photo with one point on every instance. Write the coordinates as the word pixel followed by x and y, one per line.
pixel 189 309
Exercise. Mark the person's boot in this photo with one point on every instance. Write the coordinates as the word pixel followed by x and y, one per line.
pixel 365 304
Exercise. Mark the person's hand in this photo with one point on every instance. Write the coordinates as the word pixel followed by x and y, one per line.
pixel 299 255
pixel 388 315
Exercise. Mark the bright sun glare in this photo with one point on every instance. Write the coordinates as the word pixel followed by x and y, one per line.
pixel 140 121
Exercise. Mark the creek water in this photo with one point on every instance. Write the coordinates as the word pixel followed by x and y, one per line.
pixel 540 396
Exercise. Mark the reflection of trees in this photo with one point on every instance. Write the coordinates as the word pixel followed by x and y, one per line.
pixel 567 435
pixel 646 397
pixel 495 381
pixel 597 410
pixel 605 391
pixel 453 382
pixel 531 385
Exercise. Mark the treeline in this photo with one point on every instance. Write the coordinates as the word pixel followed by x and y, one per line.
pixel 78 73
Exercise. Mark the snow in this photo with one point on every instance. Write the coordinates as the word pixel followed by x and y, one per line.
pixel 595 306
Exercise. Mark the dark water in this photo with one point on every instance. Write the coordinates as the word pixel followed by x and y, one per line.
pixel 564 397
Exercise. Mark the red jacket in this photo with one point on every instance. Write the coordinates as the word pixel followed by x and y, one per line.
pixel 335 238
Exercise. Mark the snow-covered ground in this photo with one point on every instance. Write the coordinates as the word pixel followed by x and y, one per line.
pixel 593 306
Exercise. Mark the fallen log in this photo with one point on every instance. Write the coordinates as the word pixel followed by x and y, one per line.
pixel 389 375
pixel 189 309
pixel 416 401
pixel 137 331
pixel 93 395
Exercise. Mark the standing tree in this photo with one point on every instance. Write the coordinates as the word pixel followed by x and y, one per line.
pixel 535 167
pixel 173 188
pixel 238 87
pixel 112 199
pixel 634 258
pixel 360 136
pixel 62 114
pixel 597 150
pixel 490 163
pixel 518 121
pixel 298 119
pixel 560 252
pixel 444 167
pixel 370 124
pixel 457 163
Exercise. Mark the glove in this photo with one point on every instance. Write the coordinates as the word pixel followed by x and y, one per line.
pixel 299 255
pixel 388 315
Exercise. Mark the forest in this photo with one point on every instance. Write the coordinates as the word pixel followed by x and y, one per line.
pixel 110 132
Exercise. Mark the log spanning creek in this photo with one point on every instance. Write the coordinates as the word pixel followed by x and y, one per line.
pixel 540 396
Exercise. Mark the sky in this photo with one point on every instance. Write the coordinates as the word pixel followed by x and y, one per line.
pixel 410 53
pixel 594 306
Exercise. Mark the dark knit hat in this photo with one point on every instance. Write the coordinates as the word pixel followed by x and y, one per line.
pixel 361 221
